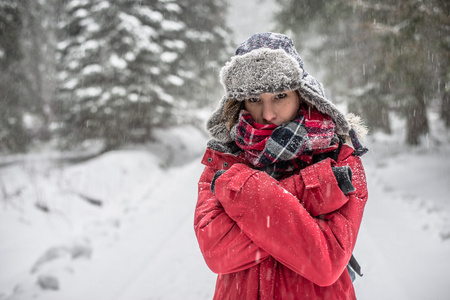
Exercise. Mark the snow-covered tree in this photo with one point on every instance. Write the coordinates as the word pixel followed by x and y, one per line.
pixel 127 67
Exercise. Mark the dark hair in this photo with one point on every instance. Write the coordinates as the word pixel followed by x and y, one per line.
pixel 231 112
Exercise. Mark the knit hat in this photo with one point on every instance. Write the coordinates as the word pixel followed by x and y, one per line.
pixel 269 63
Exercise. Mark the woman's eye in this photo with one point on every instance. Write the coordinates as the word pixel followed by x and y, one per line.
pixel 281 96
pixel 253 100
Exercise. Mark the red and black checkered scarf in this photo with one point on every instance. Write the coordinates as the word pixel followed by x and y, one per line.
pixel 281 149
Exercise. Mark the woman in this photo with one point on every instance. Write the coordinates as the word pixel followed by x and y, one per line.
pixel 282 195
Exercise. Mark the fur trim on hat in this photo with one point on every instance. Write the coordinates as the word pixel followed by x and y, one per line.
pixel 260 71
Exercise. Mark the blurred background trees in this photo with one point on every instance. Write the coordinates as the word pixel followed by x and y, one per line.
pixel 388 56
pixel 108 70
pixel 129 66
pixel 113 70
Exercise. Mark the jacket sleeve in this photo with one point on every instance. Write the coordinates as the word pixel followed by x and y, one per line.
pixel 274 219
pixel 225 248
pixel 314 200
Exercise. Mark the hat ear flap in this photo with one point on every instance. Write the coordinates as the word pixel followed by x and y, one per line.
pixel 216 126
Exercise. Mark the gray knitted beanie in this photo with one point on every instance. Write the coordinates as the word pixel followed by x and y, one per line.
pixel 269 63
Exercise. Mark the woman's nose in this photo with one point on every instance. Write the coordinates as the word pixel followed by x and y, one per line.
pixel 268 114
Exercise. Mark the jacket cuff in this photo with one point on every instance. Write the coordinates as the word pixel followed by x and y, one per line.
pixel 344 178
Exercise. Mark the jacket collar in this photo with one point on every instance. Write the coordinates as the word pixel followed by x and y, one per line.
pixel 221 160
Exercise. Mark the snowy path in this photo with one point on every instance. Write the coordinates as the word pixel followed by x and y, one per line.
pixel 400 242
pixel 174 266
pixel 155 257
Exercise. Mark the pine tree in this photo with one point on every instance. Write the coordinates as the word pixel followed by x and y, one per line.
pixel 111 79
pixel 127 66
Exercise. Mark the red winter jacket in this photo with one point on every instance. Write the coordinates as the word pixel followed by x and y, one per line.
pixel 266 244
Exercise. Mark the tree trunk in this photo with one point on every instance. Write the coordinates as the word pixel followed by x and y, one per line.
pixel 376 112
pixel 445 108
pixel 416 119
pixel 39 63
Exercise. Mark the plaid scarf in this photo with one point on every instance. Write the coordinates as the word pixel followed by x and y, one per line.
pixel 281 149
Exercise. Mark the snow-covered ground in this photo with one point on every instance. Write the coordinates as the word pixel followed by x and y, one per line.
pixel 120 226
pixel 404 241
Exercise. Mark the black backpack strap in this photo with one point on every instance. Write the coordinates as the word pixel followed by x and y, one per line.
pixel 336 152
pixel 332 154
pixel 355 266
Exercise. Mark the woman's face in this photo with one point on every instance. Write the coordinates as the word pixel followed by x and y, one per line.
pixel 274 108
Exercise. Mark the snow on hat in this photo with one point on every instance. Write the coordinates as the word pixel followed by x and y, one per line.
pixel 269 63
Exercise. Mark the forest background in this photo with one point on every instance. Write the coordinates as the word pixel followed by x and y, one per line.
pixel 80 71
